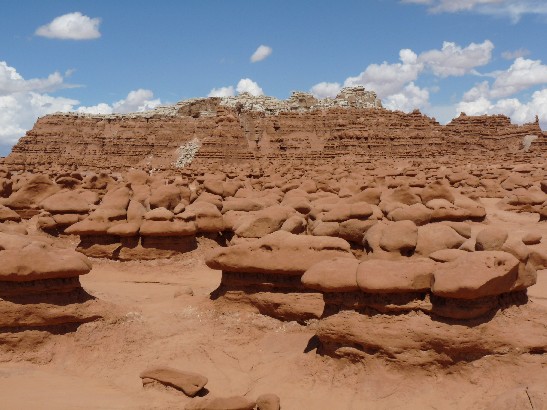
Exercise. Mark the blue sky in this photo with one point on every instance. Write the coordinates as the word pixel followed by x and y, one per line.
pixel 441 56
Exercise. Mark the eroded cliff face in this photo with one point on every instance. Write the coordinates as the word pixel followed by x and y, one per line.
pixel 351 127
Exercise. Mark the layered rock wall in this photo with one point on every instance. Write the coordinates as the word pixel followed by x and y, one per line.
pixel 351 127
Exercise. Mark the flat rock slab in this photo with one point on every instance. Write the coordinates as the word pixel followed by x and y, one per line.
pixel 189 383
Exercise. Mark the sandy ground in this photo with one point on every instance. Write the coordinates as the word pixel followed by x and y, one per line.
pixel 154 320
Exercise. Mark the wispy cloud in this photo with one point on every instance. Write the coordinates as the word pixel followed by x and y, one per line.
pixel 513 9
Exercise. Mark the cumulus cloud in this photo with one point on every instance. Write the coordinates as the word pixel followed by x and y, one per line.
pixel 136 101
pixel 395 83
pixel 23 101
pixel 408 99
pixel 521 75
pixel 324 90
pixel 513 9
pixel 246 85
pixel 12 82
pixel 71 26
pixel 387 79
pixel 222 92
pixel 19 111
pixel 520 112
pixel 453 60
pixel 261 53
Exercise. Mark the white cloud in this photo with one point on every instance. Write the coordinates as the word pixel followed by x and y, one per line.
pixel 511 55
pixel 395 83
pixel 387 79
pixel 12 82
pixel 324 89
pixel 222 92
pixel 514 9
pixel 520 112
pixel 261 53
pixel 71 26
pixel 246 85
pixel 19 111
pixel 521 75
pixel 101 108
pixel 453 60
pixel 408 99
pixel 136 101
pixel 23 101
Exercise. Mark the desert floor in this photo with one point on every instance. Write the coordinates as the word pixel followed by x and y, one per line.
pixel 153 318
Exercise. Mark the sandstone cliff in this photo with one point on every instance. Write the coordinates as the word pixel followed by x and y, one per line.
pixel 352 127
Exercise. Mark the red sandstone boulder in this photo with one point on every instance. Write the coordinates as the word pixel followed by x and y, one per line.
pixel 165 196
pixel 385 276
pixel 117 198
pixel 333 275
pixel 37 263
pixel 65 202
pixel 279 252
pixel 263 222
pixel 399 237
pixel 475 275
pixel 435 237
pixel 167 228
pixel 491 239
pixel 31 193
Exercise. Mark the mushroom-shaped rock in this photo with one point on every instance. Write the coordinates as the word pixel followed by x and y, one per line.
pixel 399 236
pixel 37 263
pixel 190 383
pixel 333 275
pixel 165 196
pixel 116 199
pixel 207 216
pixel 159 214
pixel 279 252
pixel 434 237
pixel 167 228
pixel 88 227
pixel 491 239
pixel 475 275
pixel 31 193
pixel 385 276
pixel 263 222
pixel 417 213
pixel 65 202
pixel 124 229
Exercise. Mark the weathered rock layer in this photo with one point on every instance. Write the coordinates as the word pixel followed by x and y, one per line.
pixel 351 127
